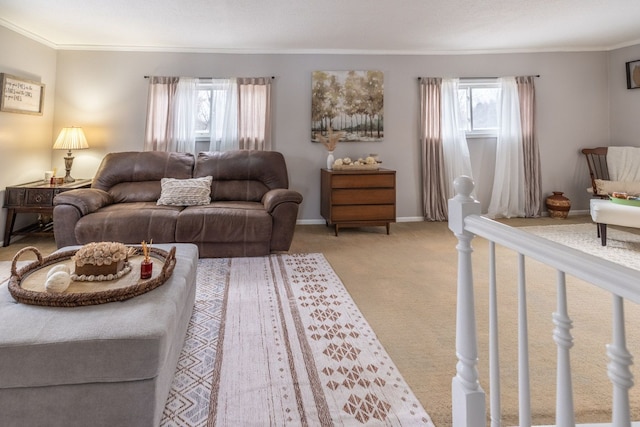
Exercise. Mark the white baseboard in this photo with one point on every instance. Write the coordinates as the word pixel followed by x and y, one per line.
pixel 419 218
pixel 322 221
pixel 310 221
pixel 633 424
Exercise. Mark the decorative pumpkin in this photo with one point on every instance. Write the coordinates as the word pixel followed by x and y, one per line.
pixel 58 282
pixel 56 268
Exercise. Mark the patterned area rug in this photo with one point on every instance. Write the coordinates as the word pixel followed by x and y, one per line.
pixel 622 247
pixel 278 341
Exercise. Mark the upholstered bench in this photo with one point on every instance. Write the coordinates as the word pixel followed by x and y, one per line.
pixel 100 365
pixel 605 212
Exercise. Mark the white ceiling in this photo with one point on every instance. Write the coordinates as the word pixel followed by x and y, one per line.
pixel 328 26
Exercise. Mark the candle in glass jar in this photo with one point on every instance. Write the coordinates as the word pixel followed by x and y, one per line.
pixel 146 269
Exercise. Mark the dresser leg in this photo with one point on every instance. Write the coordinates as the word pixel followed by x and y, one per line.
pixel 388 227
pixel 336 226
pixel 8 228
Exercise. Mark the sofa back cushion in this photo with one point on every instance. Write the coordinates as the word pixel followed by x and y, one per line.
pixel 243 175
pixel 135 176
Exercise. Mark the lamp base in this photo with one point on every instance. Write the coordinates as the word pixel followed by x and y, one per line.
pixel 68 162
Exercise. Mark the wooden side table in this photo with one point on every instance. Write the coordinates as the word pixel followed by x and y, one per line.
pixel 34 197
pixel 358 198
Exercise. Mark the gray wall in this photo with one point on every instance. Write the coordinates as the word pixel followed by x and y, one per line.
pixel 26 140
pixel 624 103
pixel 105 93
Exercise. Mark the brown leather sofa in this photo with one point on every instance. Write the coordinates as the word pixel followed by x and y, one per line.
pixel 252 211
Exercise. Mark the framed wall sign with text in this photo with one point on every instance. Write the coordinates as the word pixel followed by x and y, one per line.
pixel 20 95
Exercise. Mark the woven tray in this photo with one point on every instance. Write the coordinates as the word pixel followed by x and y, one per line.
pixel 26 285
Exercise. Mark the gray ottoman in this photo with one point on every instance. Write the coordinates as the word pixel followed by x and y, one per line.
pixel 102 365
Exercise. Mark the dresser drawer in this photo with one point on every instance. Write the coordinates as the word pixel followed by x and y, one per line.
pixel 14 197
pixel 365 196
pixel 364 213
pixel 386 180
pixel 36 197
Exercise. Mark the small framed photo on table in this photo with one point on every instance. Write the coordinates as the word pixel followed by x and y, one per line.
pixel 633 74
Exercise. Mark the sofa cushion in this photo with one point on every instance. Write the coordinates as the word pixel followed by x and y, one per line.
pixel 224 222
pixel 185 192
pixel 129 192
pixel 129 223
pixel 135 176
pixel 243 175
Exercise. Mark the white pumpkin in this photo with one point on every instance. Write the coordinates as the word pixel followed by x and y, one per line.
pixel 59 267
pixel 58 282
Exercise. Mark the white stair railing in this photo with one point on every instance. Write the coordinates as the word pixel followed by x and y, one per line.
pixel 468 397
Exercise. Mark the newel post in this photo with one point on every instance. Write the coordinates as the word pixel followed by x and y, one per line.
pixel 467 397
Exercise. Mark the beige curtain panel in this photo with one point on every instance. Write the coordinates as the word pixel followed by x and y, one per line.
pixel 434 198
pixel 160 124
pixel 531 154
pixel 254 113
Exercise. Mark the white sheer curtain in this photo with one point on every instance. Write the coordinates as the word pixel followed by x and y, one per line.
pixel 508 194
pixel 185 107
pixel 224 117
pixel 454 142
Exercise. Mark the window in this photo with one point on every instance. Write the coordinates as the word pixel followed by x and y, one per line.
pixel 212 98
pixel 478 101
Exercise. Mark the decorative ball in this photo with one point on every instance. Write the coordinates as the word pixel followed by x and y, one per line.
pixel 58 282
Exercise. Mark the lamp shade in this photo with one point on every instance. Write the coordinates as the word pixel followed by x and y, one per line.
pixel 71 138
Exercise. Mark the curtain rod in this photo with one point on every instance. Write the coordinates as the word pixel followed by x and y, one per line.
pixel 481 78
pixel 146 77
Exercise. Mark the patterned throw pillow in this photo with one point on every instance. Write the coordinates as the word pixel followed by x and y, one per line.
pixel 185 192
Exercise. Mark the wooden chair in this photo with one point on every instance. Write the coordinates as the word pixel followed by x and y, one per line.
pixel 597 162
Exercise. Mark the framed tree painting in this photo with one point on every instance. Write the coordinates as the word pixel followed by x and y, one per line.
pixel 633 74
pixel 348 101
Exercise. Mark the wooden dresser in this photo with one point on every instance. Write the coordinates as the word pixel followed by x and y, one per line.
pixel 358 198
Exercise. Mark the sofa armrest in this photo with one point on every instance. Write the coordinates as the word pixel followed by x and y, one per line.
pixel 70 206
pixel 277 196
pixel 86 200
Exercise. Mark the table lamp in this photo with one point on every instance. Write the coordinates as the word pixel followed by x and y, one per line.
pixel 70 138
